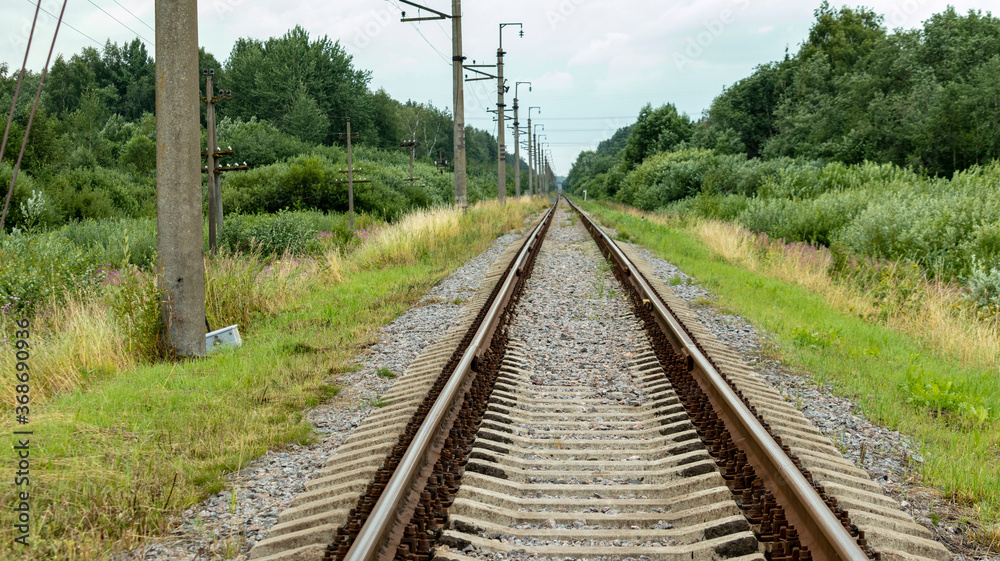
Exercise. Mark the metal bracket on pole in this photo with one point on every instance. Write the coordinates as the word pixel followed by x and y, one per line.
pixel 438 15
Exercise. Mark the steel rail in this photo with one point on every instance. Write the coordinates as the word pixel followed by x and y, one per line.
pixel 818 528
pixel 379 536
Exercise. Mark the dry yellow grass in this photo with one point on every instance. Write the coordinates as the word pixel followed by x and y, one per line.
pixel 332 269
pixel 404 241
pixel 426 231
pixel 112 328
pixel 938 314
pixel 70 343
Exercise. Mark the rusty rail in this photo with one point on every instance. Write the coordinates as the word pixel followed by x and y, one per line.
pixel 383 530
pixel 817 527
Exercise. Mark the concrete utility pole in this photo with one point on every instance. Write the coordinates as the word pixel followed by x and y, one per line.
pixel 458 87
pixel 531 154
pixel 179 242
pixel 458 92
pixel 517 143
pixel 538 159
pixel 501 148
pixel 531 189
pixel 551 176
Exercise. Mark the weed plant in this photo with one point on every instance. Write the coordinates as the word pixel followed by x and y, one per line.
pixel 130 440
pixel 949 227
pixel 910 351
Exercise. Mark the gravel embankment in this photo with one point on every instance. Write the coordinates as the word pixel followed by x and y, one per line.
pixel 886 455
pixel 589 469
pixel 226 527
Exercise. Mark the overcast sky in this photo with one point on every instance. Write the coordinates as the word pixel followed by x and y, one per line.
pixel 592 63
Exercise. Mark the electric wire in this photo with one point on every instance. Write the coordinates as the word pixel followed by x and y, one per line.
pixel 96 42
pixel 31 117
pixel 144 40
pixel 133 15
pixel 447 60
pixel 13 106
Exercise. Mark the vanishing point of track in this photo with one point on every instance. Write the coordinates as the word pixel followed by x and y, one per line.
pixel 478 457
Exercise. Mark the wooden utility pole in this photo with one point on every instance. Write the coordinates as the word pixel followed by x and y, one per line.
pixel 179 242
pixel 212 153
pixel 458 92
pixel 350 177
pixel 412 145
pixel 350 171
pixel 441 162
pixel 210 148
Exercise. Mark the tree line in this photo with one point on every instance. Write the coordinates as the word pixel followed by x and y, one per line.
pixel 91 151
pixel 878 145
pixel 927 99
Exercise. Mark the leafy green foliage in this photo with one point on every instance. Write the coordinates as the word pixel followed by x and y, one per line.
pixel 273 76
pixel 925 98
pixel 984 286
pixel 272 235
pixel 657 130
pixel 41 269
pixel 139 154
pixel 943 397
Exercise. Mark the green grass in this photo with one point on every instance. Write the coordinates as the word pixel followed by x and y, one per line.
pixel 874 367
pixel 113 460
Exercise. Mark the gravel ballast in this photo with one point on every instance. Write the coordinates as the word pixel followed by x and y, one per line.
pixel 228 524
pixel 888 456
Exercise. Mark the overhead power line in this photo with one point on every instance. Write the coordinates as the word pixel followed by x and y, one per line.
pixel 133 15
pixel 96 42
pixel 144 40
pixel 447 60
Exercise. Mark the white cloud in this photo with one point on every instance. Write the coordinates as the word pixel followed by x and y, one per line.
pixel 554 82
pixel 600 50
pixel 593 57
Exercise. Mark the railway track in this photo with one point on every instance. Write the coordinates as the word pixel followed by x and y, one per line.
pixel 633 434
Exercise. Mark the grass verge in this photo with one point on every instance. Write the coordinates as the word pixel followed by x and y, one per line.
pixel 905 382
pixel 115 456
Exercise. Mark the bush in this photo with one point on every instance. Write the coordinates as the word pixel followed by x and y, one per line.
pixel 115 241
pixel 271 235
pixel 260 144
pixel 305 182
pixel 984 287
pixel 139 154
pixel 40 269
pixel 81 194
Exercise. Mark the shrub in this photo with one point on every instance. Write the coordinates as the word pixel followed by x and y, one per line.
pixel 259 143
pixel 80 194
pixel 139 154
pixel 134 297
pixel 984 287
pixel 22 192
pixel 40 269
pixel 270 234
pixel 116 240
